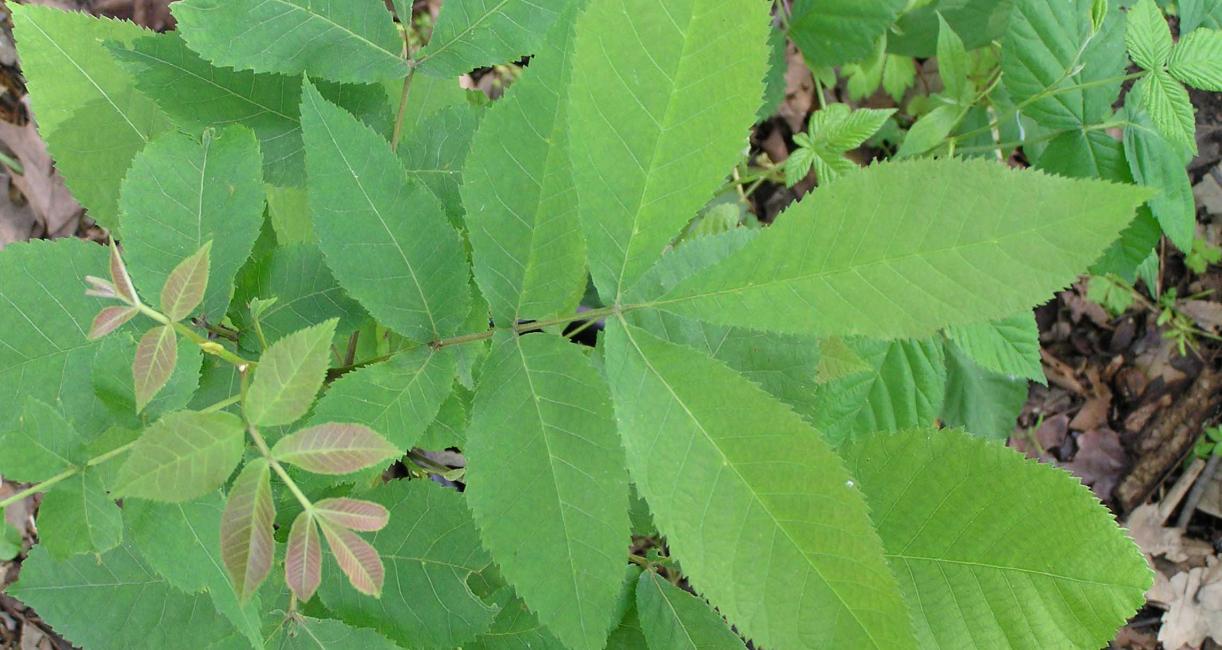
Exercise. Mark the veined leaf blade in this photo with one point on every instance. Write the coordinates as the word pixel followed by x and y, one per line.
pixel 653 131
pixel 358 190
pixel 247 547
pixel 902 249
pixel 184 288
pixel 356 558
pixel 289 376
pixel 673 619
pixel 475 33
pixel 334 448
pixel 540 403
pixel 355 514
pixel 303 557
pixel 947 506
pixel 785 504
pixel 182 456
pixel 340 40
pixel 156 356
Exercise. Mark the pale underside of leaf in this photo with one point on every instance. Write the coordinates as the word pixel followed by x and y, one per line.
pixel 356 558
pixel 303 557
pixel 109 320
pixel 334 448
pixel 156 355
pixel 247 547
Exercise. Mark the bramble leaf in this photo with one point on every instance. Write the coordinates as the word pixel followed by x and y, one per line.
pixel 1195 14
pixel 519 196
pixel 430 548
pixel 358 190
pixel 303 557
pixel 1167 102
pixel 832 32
pixel 247 547
pixel 1197 60
pixel 947 505
pixel 334 448
pixel 652 131
pixel 156 356
pixel 182 195
pixel 340 40
pixel 540 403
pixel 1157 162
pixel 896 251
pixel 1147 35
pixel 784 502
pixel 181 457
pixel 289 376
pixel 476 33
pixel 673 619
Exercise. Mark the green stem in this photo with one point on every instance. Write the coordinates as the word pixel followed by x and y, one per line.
pixel 223 404
pixel 402 113
pixel 211 347
pixel 43 486
pixel 523 328
pixel 13 164
pixel 266 451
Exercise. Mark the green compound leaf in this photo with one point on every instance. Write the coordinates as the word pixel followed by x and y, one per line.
pixel 289 376
pixel 305 291
pixel 39 444
pixel 430 549
pixel 1156 162
pixel 740 485
pixel 128 604
pixel 673 619
pixel 88 109
pixel 1010 346
pixel 110 319
pixel 436 153
pixel 303 557
pixel 115 385
pixel 340 40
pixel 902 249
pixel 982 402
pixel 77 516
pixel 305 633
pixel 355 557
pixel 1044 43
pixel 334 448
pixel 476 33
pixel 45 352
pixel 180 195
pixel 354 514
pixel 153 365
pixel 1199 13
pixel 397 398
pixel 900 386
pixel 182 456
pixel 247 547
pixel 832 32
pixel 1147 35
pixel 182 543
pixel 359 198
pixel 1197 60
pixel 653 132
pixel 184 289
pixel 982 559
pixel 519 196
pixel 1167 102
pixel 541 403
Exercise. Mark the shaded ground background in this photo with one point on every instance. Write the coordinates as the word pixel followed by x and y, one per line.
pixel 1123 408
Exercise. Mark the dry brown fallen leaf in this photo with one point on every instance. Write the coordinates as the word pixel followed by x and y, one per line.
pixel 1099 462
pixel 41 185
pixel 1193 600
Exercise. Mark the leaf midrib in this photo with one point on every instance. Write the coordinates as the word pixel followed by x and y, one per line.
pixel 1004 568
pixel 726 462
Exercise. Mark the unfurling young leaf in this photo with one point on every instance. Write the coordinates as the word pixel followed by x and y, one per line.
pixel 366 516
pixel 303 557
pixel 120 278
pixel 1148 37
pixel 156 355
pixel 182 456
pixel 289 376
pixel 356 558
pixel 247 547
pixel 833 131
pixel 109 320
pixel 335 449
pixel 185 286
